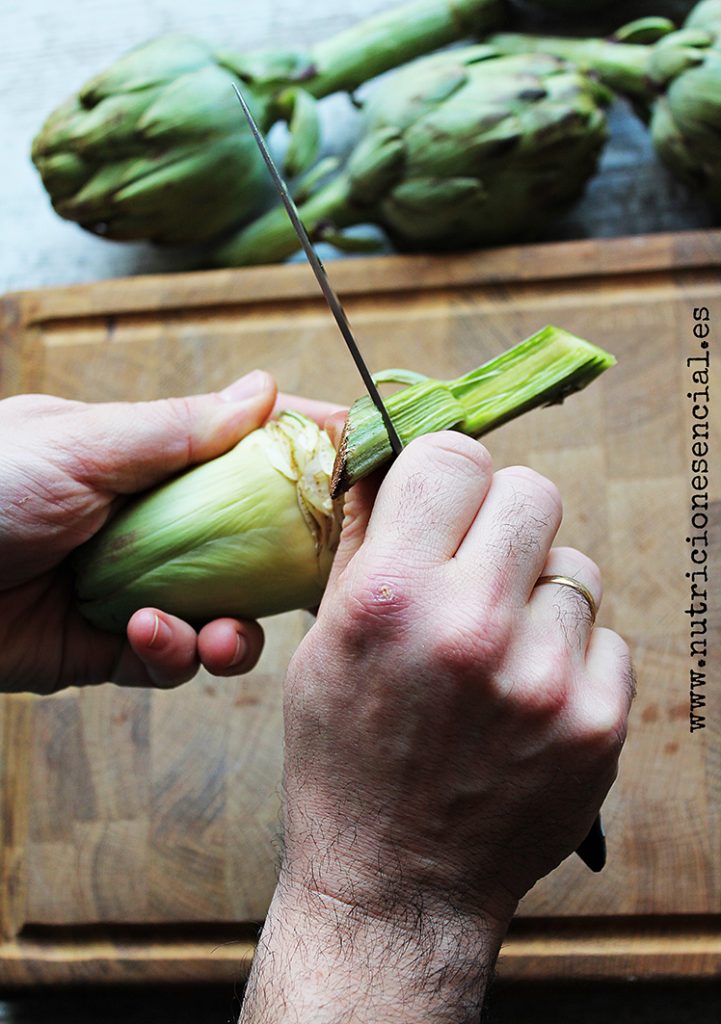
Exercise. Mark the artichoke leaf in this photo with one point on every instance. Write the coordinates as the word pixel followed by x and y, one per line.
pixel 304 129
pixel 149 66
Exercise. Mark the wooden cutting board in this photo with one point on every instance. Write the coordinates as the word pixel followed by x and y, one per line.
pixel 140 830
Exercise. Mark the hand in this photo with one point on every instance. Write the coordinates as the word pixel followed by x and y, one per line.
pixel 442 711
pixel 451 732
pixel 64 468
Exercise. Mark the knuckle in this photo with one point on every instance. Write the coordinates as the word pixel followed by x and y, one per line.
pixel 454 653
pixel 453 454
pixel 624 671
pixel 380 602
pixel 472 648
pixel 600 729
pixel 535 483
pixel 542 692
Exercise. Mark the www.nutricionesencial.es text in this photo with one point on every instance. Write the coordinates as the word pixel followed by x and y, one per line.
pixel 698 366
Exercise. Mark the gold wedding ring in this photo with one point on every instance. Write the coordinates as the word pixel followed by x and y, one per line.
pixel 580 588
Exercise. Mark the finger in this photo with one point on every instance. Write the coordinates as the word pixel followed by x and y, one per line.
pixel 310 407
pixel 125 447
pixel 228 647
pixel 166 646
pixel 508 543
pixel 357 508
pixel 611 677
pixel 334 426
pixel 430 497
pixel 557 606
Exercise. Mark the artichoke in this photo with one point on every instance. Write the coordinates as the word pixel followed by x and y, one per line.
pixel 673 79
pixel 253 532
pixel 151 148
pixel 155 147
pixel 459 149
pixel 258 522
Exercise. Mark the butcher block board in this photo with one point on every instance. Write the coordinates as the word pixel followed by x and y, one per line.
pixel 140 830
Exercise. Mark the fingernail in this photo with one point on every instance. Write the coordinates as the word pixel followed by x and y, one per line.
pixel 161 634
pixel 241 649
pixel 246 387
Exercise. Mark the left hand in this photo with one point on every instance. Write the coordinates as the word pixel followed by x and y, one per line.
pixel 64 468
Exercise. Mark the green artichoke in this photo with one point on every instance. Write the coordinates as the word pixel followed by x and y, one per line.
pixel 155 146
pixel 250 533
pixel 151 148
pixel 254 531
pixel 459 149
pixel 672 77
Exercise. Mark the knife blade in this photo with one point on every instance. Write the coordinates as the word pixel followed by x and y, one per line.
pixel 318 269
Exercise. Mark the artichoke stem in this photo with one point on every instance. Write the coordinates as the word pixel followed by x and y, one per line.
pixel 623 67
pixel 542 370
pixel 378 44
pixel 272 238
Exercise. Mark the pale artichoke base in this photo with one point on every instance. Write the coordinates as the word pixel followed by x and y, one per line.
pixel 249 534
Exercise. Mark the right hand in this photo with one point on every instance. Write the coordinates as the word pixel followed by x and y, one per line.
pixel 451 732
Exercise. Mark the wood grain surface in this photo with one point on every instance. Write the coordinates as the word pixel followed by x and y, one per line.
pixel 140 830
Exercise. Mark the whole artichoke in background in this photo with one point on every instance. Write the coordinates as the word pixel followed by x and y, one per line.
pixel 459 149
pixel 673 79
pixel 151 148
pixel 155 147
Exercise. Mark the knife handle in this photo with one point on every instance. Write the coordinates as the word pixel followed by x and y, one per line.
pixel 592 850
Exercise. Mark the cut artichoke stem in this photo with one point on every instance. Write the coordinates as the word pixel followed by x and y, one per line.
pixel 542 370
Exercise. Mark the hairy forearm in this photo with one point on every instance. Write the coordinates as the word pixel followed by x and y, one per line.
pixel 323 961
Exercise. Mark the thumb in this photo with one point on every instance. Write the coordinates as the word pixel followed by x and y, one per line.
pixel 127 446
pixel 357 504
pixel 357 509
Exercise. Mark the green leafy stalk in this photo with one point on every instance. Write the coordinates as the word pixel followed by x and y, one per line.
pixel 542 370
pixel 271 238
pixel 390 39
pixel 642 59
pixel 623 67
